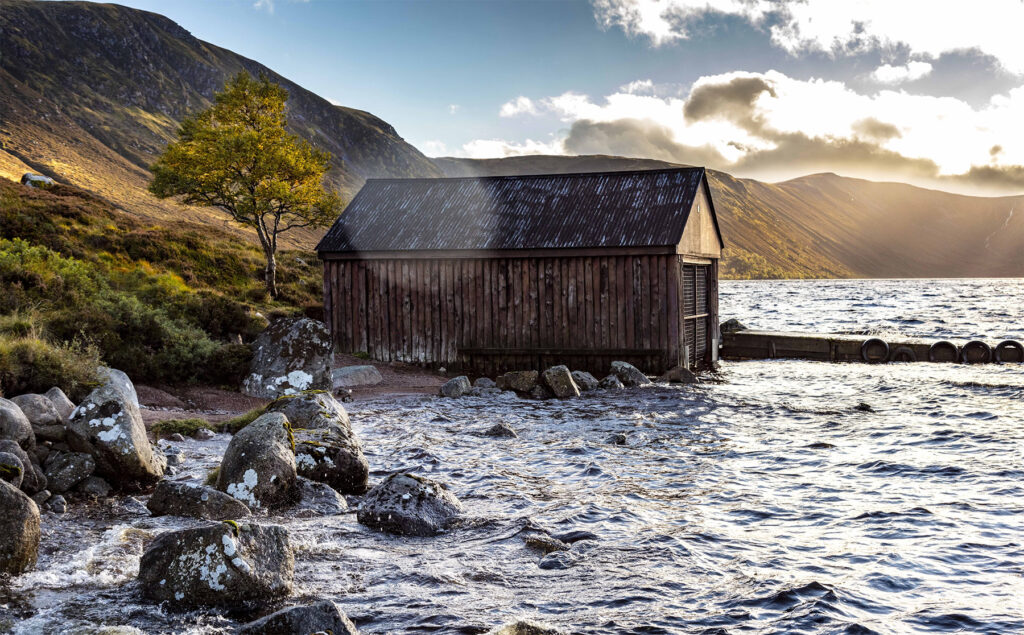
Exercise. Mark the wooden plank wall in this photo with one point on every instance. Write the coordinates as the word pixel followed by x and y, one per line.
pixel 486 316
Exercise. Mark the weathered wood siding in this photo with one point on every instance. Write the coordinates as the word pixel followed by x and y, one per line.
pixel 489 315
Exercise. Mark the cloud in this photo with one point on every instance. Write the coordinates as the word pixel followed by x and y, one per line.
pixel 434 148
pixel 887 74
pixel 925 28
pixel 518 106
pixel 268 5
pixel 453 108
pixel 638 87
pixel 776 127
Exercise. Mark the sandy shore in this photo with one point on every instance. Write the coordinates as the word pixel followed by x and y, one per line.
pixel 214 404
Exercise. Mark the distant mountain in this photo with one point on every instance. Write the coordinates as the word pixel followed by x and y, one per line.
pixel 91 93
pixel 826 225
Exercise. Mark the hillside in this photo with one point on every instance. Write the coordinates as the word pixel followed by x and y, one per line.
pixel 825 225
pixel 90 93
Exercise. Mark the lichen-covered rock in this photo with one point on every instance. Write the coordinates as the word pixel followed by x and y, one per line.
pixel 311 409
pixel 456 387
pixel 258 467
pixel 349 376
pixel 108 426
pixel 225 564
pixel 409 505
pixel 519 380
pixel 194 501
pixel 47 423
pixel 584 380
pixel 19 530
pixel 61 402
pixel 611 382
pixel 290 356
pixel 14 425
pixel 559 380
pixel 318 499
pixel 629 374
pixel 12 470
pixel 322 617
pixel 67 469
pixel 332 455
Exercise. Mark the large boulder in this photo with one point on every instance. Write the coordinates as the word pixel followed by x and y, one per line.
pixel 108 426
pixel 311 409
pixel 258 467
pixel 290 356
pixel 194 501
pixel 584 380
pixel 559 380
pixel 61 402
pixel 332 455
pixel 318 499
pixel 629 374
pixel 14 425
pixel 322 617
pixel 518 380
pixel 47 423
pixel 37 180
pixel 19 530
pixel 409 505
pixel 67 469
pixel 456 387
pixel 351 376
pixel 225 564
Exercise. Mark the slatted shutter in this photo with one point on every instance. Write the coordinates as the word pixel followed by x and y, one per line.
pixel 696 311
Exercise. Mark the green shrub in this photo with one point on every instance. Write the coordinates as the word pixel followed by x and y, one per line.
pixel 32 365
pixel 239 422
pixel 184 427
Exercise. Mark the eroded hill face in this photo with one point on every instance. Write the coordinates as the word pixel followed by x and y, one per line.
pixel 826 225
pixel 91 93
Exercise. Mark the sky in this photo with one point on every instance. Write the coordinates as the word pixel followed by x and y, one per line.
pixel 922 91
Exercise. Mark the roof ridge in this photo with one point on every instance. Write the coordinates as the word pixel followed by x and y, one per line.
pixel 533 176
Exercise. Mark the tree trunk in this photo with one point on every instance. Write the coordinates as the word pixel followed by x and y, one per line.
pixel 270 274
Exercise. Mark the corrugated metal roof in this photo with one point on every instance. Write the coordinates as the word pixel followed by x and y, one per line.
pixel 645 208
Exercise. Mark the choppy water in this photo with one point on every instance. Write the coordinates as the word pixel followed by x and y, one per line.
pixel 766 503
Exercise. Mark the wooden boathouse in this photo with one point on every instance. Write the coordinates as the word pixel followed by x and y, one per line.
pixel 489 274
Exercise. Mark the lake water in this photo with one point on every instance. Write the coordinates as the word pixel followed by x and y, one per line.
pixel 763 503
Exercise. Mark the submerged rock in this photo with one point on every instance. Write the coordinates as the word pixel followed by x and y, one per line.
pixel 349 376
pixel 558 560
pixel 67 469
pixel 318 499
pixel 333 456
pixel 540 392
pixel 312 409
pixel 611 382
pixel 225 564
pixel 258 467
pixel 629 374
pixel 544 543
pixel 501 431
pixel 522 381
pixel 322 617
pixel 108 426
pixel 559 380
pixel 584 380
pixel 524 627
pixel 19 530
pixel 409 505
pixel 47 423
pixel 14 425
pixel 194 501
pixel 290 356
pixel 456 387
